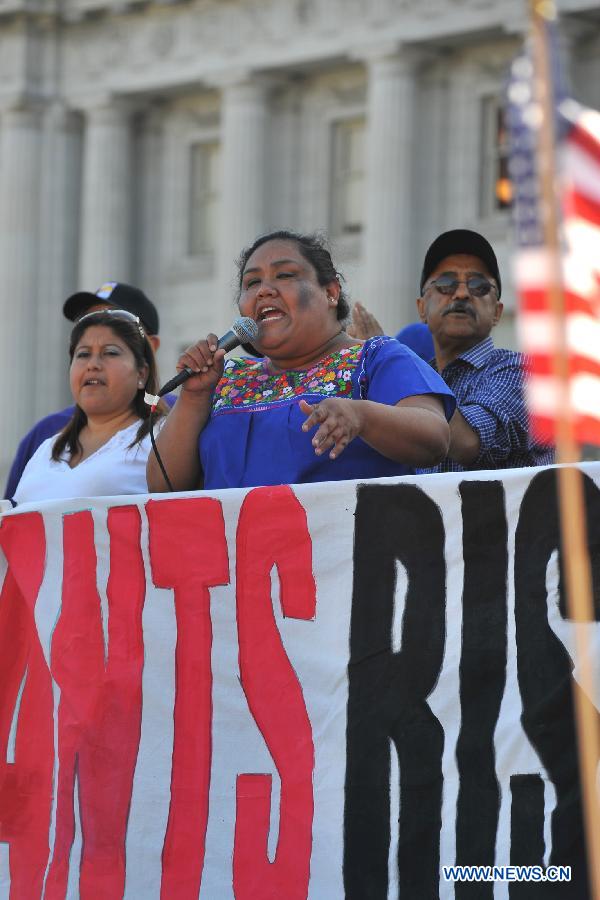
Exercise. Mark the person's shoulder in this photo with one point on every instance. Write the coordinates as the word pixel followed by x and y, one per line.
pixel 48 427
pixel 501 358
pixel 126 439
pixel 501 353
pixel 486 357
pixel 382 347
pixel 47 444
pixel 43 451
pixel 417 337
pixel 50 424
pixel 382 343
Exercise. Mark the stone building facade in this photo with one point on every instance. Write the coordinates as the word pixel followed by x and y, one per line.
pixel 150 140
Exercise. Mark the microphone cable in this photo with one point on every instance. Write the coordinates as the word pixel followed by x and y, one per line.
pixel 152 401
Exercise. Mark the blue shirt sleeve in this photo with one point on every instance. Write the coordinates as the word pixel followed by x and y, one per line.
pixel 494 407
pixel 391 371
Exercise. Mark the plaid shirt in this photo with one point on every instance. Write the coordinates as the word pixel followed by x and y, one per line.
pixel 488 385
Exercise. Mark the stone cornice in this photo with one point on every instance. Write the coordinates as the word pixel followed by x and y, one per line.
pixel 421 21
pixel 45 10
pixel 21 102
pixel 199 42
pixel 145 47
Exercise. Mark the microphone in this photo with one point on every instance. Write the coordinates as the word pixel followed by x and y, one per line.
pixel 243 331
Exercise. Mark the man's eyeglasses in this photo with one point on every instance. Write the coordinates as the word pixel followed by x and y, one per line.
pixel 115 314
pixel 476 285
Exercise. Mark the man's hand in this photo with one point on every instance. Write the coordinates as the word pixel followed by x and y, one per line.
pixel 364 324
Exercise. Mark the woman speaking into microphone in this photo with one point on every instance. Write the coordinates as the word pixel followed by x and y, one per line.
pixel 319 405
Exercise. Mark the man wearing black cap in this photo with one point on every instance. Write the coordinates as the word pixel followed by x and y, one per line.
pixel 112 295
pixel 460 303
pixel 116 295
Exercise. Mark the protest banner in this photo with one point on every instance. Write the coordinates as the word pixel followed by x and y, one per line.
pixel 324 691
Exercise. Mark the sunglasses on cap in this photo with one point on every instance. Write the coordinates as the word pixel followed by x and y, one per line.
pixel 476 285
pixel 115 314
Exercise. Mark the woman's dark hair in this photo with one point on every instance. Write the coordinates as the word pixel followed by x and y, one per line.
pixel 314 249
pixel 132 334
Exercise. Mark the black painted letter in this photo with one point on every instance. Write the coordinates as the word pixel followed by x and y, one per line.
pixel 388 694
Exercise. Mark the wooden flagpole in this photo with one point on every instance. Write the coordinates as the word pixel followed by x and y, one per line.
pixel 574 544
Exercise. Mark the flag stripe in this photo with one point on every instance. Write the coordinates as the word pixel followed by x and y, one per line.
pixel 582 170
pixel 540 333
pixel 542 364
pixel 579 267
pixel 586 132
pixel 544 393
pixel 582 207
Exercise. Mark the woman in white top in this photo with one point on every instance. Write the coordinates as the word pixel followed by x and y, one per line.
pixel 104 448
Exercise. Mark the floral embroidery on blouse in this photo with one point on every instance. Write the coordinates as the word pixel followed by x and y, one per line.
pixel 247 384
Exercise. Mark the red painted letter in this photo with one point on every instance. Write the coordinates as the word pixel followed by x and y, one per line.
pixel 25 693
pixel 188 552
pixel 100 709
pixel 272 530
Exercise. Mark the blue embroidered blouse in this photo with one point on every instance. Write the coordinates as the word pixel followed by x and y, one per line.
pixel 254 434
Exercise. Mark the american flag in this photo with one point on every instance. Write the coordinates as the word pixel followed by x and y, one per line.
pixel 578 186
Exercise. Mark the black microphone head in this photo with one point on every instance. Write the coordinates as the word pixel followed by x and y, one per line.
pixel 246 329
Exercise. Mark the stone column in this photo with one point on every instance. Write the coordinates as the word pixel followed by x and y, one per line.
pixel 20 147
pixel 581 70
pixel 389 289
pixel 148 218
pixel 105 253
pixel 58 256
pixel 244 124
pixel 463 146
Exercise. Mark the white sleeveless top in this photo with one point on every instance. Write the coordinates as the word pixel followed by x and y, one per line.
pixel 113 469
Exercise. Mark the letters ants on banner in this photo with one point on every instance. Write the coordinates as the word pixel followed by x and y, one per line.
pixel 324 691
